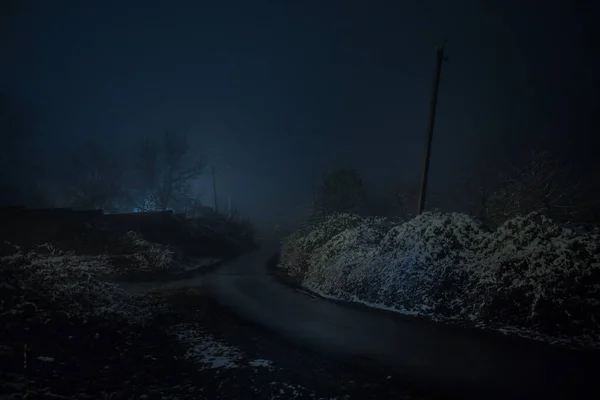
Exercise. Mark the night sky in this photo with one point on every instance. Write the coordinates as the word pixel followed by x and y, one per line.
pixel 274 93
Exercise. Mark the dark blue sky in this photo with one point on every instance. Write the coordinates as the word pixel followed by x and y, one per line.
pixel 275 92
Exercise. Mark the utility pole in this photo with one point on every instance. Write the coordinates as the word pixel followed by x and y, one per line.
pixel 432 108
pixel 314 196
pixel 215 190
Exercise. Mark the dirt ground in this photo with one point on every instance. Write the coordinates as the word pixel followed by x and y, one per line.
pixel 69 359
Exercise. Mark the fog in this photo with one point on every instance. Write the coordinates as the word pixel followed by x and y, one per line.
pixel 275 95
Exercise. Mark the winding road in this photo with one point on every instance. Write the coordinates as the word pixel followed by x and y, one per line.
pixel 458 362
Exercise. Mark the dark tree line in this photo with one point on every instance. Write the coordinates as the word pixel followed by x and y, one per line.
pixel 158 175
pixel 341 191
pixel 19 169
pixel 165 173
pixel 543 183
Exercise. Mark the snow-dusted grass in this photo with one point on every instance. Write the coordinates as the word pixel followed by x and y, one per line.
pixel 260 363
pixel 204 348
pixel 145 256
pixel 210 352
pixel 286 391
pixel 58 316
pixel 54 281
pixel 530 277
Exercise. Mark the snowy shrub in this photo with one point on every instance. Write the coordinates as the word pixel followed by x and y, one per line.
pixel 418 258
pixel 402 265
pixel 297 247
pixel 335 265
pixel 537 273
pixel 531 273
pixel 294 259
pixel 328 228
pixel 146 256
pixel 49 279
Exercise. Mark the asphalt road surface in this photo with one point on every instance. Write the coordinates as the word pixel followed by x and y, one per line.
pixel 459 362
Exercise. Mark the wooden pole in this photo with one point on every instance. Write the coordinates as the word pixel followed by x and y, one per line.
pixel 215 190
pixel 432 110
pixel 314 197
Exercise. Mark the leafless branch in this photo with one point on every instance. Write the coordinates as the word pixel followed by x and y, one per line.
pixel 165 171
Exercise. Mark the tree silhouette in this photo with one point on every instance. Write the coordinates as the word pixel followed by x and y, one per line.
pixel 93 178
pixel 544 184
pixel 164 172
pixel 342 191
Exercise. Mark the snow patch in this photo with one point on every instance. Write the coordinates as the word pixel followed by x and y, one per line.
pixel 205 349
pixel 261 363
pixel 283 390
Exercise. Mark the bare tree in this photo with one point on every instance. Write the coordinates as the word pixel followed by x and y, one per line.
pixel 401 197
pixel 404 200
pixel 22 171
pixel 93 178
pixel 479 189
pixel 165 175
pixel 341 191
pixel 543 184
pixel 9 10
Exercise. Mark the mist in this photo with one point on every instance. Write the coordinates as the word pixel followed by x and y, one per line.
pixel 299 199
pixel 273 97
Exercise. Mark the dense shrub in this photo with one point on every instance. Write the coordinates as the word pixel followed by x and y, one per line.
pixel 298 247
pixel 49 280
pixel 143 256
pixel 530 273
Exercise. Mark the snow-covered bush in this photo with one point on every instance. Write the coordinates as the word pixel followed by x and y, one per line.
pixel 146 256
pixel 537 273
pixel 402 265
pixel 299 246
pixel 332 271
pixel 531 273
pixel 49 279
